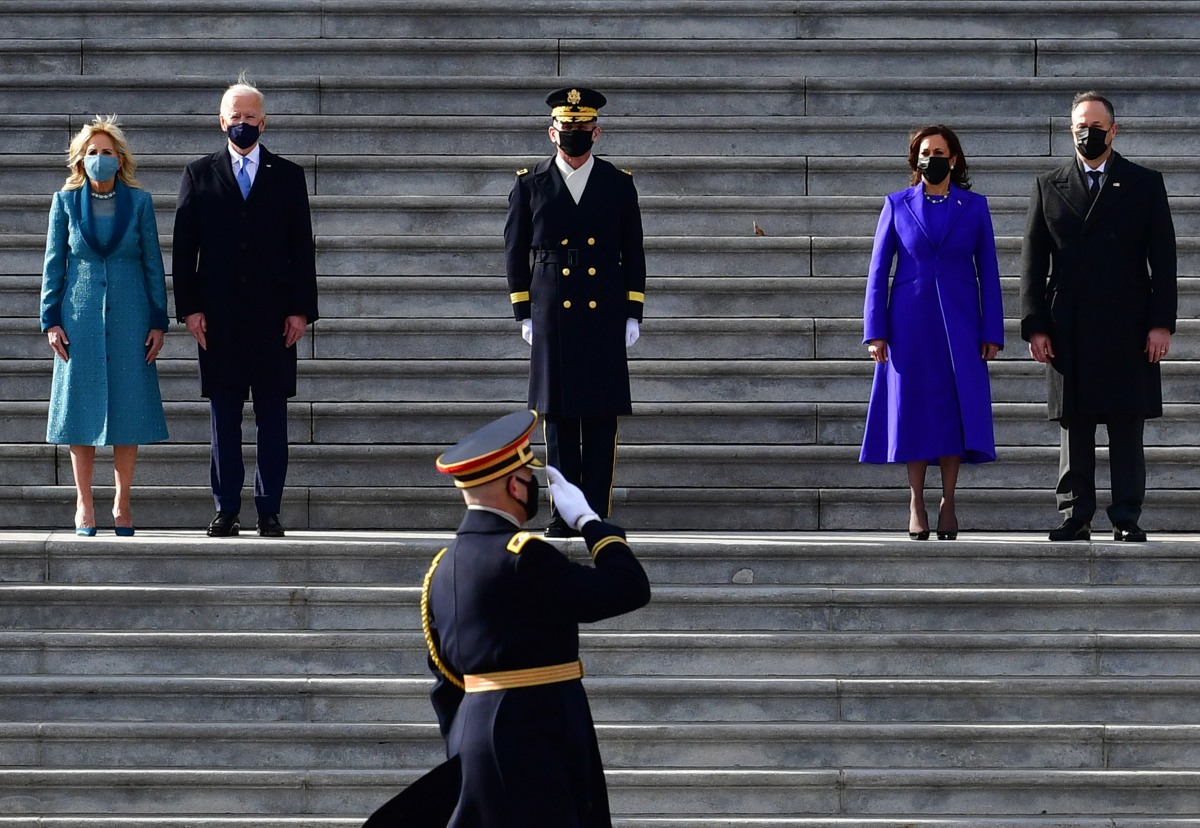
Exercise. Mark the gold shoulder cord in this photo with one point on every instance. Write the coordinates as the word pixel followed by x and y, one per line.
pixel 425 627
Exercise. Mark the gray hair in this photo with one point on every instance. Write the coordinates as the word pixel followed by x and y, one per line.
pixel 1089 96
pixel 243 87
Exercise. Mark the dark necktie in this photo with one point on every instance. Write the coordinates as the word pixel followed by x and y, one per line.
pixel 1095 176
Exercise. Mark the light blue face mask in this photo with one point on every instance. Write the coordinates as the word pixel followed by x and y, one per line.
pixel 100 167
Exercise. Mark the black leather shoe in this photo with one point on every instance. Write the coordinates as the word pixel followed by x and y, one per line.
pixel 559 528
pixel 224 525
pixel 1128 530
pixel 1072 529
pixel 268 526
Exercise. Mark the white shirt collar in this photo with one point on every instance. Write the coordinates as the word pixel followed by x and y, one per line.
pixel 475 507
pixel 576 180
pixel 253 156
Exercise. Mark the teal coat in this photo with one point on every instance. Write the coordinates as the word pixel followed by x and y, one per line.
pixel 107 297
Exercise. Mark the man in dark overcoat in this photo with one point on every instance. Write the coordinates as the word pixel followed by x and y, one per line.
pixel 501 610
pixel 1098 304
pixel 577 281
pixel 245 284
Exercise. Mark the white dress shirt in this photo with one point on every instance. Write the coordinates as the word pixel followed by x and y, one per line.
pixel 576 180
pixel 250 160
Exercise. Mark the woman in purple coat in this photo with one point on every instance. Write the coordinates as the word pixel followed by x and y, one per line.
pixel 933 333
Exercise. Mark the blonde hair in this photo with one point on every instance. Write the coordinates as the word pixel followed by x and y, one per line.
pixel 105 125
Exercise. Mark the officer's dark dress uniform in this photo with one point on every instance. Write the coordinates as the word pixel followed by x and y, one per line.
pixel 501 610
pixel 578 271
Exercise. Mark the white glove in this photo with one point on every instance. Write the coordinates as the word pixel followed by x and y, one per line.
pixel 632 332
pixel 569 500
pixel 527 331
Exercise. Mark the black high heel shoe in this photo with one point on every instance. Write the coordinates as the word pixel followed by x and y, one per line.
pixel 947 534
pixel 921 535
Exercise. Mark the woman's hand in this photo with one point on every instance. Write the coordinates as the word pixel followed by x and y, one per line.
pixel 58 341
pixel 154 341
pixel 988 351
pixel 877 348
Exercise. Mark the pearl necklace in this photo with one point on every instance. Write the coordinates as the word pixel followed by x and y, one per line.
pixel 936 199
pixel 107 195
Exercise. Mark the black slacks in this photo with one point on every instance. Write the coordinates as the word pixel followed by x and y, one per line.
pixel 1076 492
pixel 585 451
pixel 226 470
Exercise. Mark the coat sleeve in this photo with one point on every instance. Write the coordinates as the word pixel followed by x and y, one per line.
pixel 518 241
pixel 883 251
pixel 54 268
pixel 302 299
pixel 1035 268
pixel 633 254
pixel 615 584
pixel 987 270
pixel 185 250
pixel 152 265
pixel 1162 257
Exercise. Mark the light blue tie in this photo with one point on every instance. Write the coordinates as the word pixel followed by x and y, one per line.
pixel 243 179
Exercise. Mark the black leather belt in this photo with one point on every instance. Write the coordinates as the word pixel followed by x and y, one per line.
pixel 568 257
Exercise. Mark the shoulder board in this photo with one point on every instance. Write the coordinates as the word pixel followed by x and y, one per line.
pixel 627 172
pixel 518 541
pixel 523 171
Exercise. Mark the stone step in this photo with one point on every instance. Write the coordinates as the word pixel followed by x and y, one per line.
pixel 663 215
pixel 30 174
pixel 433 19
pixel 70 745
pixel 876 558
pixel 250 652
pixel 694 466
pixel 1161 702
pixel 505 381
pixel 618 821
pixel 663 792
pixel 884 507
pixel 674 608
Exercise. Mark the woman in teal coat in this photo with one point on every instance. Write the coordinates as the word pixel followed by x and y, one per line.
pixel 104 312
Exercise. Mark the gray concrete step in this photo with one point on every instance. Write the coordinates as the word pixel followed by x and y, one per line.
pixel 249 652
pixel 879 558
pixel 1160 702
pixel 675 608
pixel 71 745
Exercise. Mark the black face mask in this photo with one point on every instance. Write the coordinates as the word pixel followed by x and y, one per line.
pixel 934 168
pixel 243 135
pixel 575 142
pixel 531 497
pixel 1091 142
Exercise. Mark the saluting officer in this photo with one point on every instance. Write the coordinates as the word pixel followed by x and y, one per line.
pixel 577 281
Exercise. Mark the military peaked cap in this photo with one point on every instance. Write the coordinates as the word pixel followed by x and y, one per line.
pixel 499 448
pixel 573 104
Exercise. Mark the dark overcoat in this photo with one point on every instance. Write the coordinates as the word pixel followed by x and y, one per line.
pixel 932 398
pixel 1096 279
pixel 505 600
pixel 246 265
pixel 579 272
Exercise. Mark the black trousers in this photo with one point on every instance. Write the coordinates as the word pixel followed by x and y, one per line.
pixel 1076 492
pixel 585 451
pixel 226 470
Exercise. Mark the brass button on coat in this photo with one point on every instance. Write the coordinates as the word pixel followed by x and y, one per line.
pixel 591 271
pixel 591 241
pixel 592 303
pixel 567 303
pixel 564 242
pixel 566 271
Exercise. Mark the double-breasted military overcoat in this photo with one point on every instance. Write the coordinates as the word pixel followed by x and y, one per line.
pixel 1096 277
pixel 246 264
pixel 578 271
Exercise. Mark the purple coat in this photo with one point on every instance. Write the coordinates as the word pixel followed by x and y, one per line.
pixel 932 398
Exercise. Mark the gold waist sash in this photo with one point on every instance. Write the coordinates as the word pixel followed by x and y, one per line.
pixel 530 677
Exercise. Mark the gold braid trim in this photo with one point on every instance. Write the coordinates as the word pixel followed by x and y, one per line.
pixel 425 626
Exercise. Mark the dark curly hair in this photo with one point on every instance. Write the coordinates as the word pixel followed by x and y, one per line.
pixel 958 176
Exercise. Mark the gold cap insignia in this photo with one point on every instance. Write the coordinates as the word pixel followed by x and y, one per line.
pixel 573 97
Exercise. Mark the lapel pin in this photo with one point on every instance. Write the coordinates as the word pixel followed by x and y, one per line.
pixel 1116 183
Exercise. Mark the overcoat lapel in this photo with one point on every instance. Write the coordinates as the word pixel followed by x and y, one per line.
pixel 1110 191
pixel 223 167
pixel 123 213
pixel 915 201
pixel 550 181
pixel 1068 182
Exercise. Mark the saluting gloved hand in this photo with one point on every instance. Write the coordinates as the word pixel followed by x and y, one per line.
pixel 527 331
pixel 569 500
pixel 632 332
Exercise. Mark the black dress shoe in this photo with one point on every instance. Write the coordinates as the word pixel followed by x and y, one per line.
pixel 224 525
pixel 1072 529
pixel 559 528
pixel 268 526
pixel 1128 530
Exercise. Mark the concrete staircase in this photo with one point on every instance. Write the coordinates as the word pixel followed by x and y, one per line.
pixel 791 115
pixel 780 678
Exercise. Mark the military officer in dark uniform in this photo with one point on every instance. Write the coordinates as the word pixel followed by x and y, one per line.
pixel 577 281
pixel 501 610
